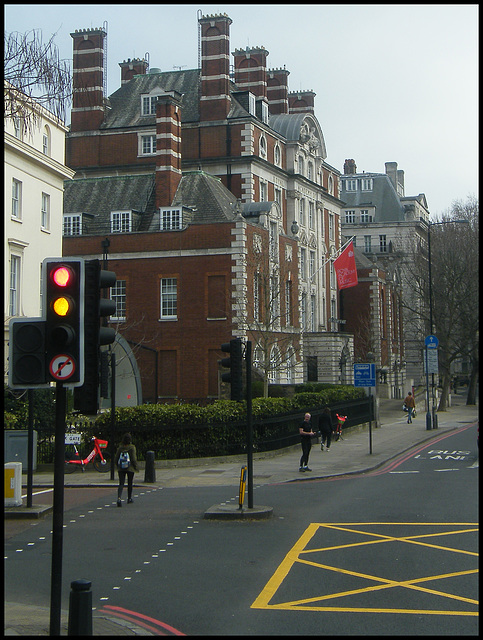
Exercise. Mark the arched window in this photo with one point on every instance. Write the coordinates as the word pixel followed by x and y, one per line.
pixel 278 155
pixel 263 147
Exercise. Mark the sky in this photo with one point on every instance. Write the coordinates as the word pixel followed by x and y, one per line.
pixel 393 83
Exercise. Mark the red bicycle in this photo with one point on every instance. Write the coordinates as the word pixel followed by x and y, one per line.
pixel 100 461
pixel 338 431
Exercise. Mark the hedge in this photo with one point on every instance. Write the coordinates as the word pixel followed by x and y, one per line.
pixel 153 416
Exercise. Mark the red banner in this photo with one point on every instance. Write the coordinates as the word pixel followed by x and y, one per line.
pixel 345 268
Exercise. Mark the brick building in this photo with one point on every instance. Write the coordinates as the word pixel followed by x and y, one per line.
pixel 212 190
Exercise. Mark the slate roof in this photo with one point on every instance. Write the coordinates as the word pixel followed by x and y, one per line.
pixel 205 199
pixel 383 196
pixel 97 197
pixel 125 103
pixel 208 197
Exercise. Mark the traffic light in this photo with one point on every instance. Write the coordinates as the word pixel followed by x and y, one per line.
pixel 96 307
pixel 63 288
pixel 26 367
pixel 234 363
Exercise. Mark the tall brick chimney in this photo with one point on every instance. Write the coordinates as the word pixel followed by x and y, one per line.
pixel 277 91
pixel 215 67
pixel 88 79
pixel 251 70
pixel 301 102
pixel 131 68
pixel 168 147
pixel 350 167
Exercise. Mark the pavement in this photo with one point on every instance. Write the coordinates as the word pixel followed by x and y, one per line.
pixel 361 450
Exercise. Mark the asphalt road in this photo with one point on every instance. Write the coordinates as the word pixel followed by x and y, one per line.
pixel 393 552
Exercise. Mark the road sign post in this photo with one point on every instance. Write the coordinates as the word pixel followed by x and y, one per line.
pixel 365 376
pixel 431 366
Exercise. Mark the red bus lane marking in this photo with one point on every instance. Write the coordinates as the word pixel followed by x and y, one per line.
pixel 133 616
pixel 396 463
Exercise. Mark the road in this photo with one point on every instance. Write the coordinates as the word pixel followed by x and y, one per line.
pixel 394 551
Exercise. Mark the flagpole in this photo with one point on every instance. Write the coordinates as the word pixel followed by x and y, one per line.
pixel 332 257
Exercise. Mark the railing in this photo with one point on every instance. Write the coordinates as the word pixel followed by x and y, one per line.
pixel 198 441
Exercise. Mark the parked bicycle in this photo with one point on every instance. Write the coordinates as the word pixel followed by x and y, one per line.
pixel 99 460
pixel 338 431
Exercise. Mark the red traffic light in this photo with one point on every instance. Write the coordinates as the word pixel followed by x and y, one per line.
pixel 62 276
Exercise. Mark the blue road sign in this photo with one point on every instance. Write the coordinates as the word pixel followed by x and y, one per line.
pixel 365 375
pixel 431 342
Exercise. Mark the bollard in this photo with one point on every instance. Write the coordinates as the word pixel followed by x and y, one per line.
pixel 80 608
pixel 149 471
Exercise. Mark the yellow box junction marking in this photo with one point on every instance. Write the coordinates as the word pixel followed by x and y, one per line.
pixel 372 533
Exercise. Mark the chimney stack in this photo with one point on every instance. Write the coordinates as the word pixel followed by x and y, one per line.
pixel 301 102
pixel 277 91
pixel 350 167
pixel 251 70
pixel 131 68
pixel 215 67
pixel 88 79
pixel 168 147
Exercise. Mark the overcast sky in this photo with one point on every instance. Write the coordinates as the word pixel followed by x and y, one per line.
pixel 394 83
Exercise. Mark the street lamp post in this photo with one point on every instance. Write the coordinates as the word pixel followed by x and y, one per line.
pixel 433 408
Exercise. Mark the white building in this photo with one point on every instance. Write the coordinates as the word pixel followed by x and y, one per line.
pixel 384 223
pixel 34 185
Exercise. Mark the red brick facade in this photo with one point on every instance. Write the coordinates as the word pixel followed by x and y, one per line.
pixel 213 263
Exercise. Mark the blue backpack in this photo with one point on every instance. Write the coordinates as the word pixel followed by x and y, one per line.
pixel 124 460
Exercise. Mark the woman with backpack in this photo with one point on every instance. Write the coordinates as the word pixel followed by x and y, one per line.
pixel 127 464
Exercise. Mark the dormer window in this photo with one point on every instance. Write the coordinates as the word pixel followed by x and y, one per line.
pixel 148 105
pixel 72 224
pixel 121 221
pixel 251 104
pixel 265 112
pixel 170 219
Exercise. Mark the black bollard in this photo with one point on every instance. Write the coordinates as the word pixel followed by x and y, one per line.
pixel 149 471
pixel 80 608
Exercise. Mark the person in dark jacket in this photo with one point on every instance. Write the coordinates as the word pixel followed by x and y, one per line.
pixel 126 446
pixel 326 429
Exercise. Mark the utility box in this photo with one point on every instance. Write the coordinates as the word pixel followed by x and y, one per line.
pixel 16 448
pixel 13 484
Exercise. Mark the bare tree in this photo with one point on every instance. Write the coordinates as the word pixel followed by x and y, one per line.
pixel 454 278
pixel 34 73
pixel 455 261
pixel 269 310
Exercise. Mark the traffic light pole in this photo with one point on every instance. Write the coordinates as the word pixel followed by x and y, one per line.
pixel 113 410
pixel 58 511
pixel 30 448
pixel 248 360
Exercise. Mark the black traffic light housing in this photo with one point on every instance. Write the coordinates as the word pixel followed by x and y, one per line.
pixel 27 353
pixel 96 307
pixel 63 310
pixel 235 364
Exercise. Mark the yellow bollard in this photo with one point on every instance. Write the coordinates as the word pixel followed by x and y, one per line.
pixel 243 485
